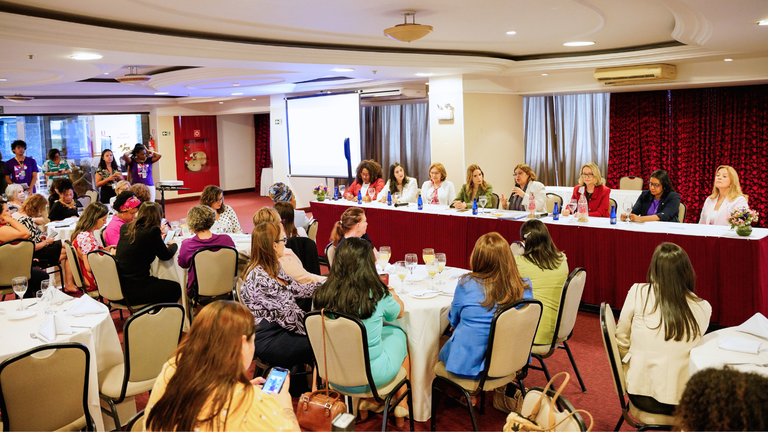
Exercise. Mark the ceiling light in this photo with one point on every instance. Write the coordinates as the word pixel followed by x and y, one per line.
pixel 161 93
pixel 763 22
pixel 408 32
pixel 133 77
pixel 253 99
pixel 544 74
pixel 578 44
pixel 236 94
pixel 424 74
pixel 221 102
pixel 511 32
pixel 727 59
pixel 86 56
pixel 235 84
pixel 3 79
pixel 343 69
pixel 106 73
pixel 19 98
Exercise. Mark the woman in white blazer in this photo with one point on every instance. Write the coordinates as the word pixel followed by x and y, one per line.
pixel 726 197
pixel 660 323
pixel 438 190
pixel 398 182
pixel 525 184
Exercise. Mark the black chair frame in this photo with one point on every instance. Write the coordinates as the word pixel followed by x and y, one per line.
pixel 196 298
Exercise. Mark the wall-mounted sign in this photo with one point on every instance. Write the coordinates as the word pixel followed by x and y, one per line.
pixel 166 133
pixel 196 133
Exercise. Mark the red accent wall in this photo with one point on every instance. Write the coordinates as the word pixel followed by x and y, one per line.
pixel 197 152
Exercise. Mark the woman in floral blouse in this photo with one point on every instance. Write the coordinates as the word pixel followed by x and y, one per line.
pixel 93 218
pixel 55 167
pixel 270 294
pixel 226 219
pixel 106 176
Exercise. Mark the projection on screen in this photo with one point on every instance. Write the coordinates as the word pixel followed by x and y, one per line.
pixel 317 128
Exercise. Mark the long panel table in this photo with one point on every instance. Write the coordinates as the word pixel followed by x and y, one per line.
pixel 730 270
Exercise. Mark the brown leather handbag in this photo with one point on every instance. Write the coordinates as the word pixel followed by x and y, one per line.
pixel 316 410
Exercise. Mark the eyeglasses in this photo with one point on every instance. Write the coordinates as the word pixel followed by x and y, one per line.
pixel 284 240
pixel 587 175
pixel 654 185
pixel 518 173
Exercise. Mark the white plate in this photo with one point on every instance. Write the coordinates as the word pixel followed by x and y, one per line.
pixel 20 315
pixel 423 294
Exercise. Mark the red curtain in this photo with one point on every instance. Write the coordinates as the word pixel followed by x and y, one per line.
pixel 263 157
pixel 690 133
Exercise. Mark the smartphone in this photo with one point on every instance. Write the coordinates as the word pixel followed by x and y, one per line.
pixel 53 234
pixel 169 236
pixel 275 380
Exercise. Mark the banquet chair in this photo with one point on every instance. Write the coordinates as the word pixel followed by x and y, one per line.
pixel 330 252
pixel 681 213
pixel 553 198
pixel 631 183
pixel 516 325
pixel 16 256
pixel 517 248
pixel 495 200
pixel 214 268
pixel 612 202
pixel 343 340
pixel 150 337
pixel 306 251
pixel 635 417
pixel 104 269
pixel 93 195
pixel 136 423
pixel 84 200
pixel 570 298
pixel 46 388
pixel 312 230
pixel 77 273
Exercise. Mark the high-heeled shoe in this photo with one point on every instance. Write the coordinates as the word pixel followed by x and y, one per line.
pixel 400 415
pixel 366 405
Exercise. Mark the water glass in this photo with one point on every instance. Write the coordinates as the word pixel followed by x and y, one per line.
pixel 396 197
pixel 481 202
pixel 401 270
pixel 342 188
pixel 432 270
pixel 572 207
pixel 441 260
pixel 20 288
pixel 411 261
pixel 384 253
pixel 628 209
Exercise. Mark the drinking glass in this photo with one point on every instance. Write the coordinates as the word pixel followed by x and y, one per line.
pixel 20 288
pixel 411 261
pixel 401 270
pixel 396 197
pixel 342 188
pixel 372 193
pixel 628 209
pixel 384 253
pixel 572 207
pixel 432 270
pixel 176 226
pixel 441 260
pixel 482 201
pixel 428 254
pixel 47 299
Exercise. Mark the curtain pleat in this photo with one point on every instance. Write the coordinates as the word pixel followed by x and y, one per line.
pixel 263 156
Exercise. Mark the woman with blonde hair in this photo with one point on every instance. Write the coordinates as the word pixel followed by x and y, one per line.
pixel 494 282
pixel 208 372
pixel 525 185
pixel 726 197
pixel 16 196
pixel 94 217
pixel 591 186
pixel 437 190
pixel 120 187
pixel 226 219
pixel 475 187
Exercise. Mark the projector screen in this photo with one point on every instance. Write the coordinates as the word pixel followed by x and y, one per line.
pixel 317 128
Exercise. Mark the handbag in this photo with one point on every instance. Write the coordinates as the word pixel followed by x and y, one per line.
pixel 540 412
pixel 507 404
pixel 316 410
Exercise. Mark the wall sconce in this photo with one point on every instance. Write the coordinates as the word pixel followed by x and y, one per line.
pixel 444 112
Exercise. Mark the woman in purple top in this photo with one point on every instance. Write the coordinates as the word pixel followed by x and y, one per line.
pixel 659 203
pixel 139 163
pixel 21 169
pixel 126 206
pixel 200 219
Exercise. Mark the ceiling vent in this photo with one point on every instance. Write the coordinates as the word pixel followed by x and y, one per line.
pixel 395 93
pixel 133 77
pixel 643 74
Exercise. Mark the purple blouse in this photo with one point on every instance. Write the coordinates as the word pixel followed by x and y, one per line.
pixel 21 173
pixel 270 300
pixel 194 244
pixel 141 172
pixel 654 207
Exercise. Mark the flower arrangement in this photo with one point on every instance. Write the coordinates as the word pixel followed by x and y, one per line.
pixel 320 191
pixel 743 217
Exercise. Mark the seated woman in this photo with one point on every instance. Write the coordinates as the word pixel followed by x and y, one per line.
pixel 106 175
pixel 475 187
pixel 660 323
pixel 353 287
pixel 659 203
pixel 94 217
pixel 525 185
pixel 493 282
pixel 16 196
pixel 140 243
pixel 280 192
pixel 120 187
pixel 290 263
pixel 200 219
pixel 47 250
pixel 11 229
pixel 591 185
pixel 126 206
pixel 226 220
pixel 270 294
pixel 403 188
pixel 438 190
pixel 353 223
pixel 208 372
pixel 285 210
pixel 368 182
pixel 726 197
pixel 141 191
pixel 547 269
pixel 66 206
pixel 54 192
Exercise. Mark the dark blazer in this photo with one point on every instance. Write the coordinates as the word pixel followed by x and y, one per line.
pixel 669 207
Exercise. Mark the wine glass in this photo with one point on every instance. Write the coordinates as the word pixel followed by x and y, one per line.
pixel 176 227
pixel 482 200
pixel 371 193
pixel 401 270
pixel 396 197
pixel 432 269
pixel 384 253
pixel 628 209
pixel 47 299
pixel 411 260
pixel 342 188
pixel 20 288
pixel 572 206
pixel 428 254
pixel 441 260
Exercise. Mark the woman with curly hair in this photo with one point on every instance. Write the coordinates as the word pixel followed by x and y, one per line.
pixel 226 221
pixel 368 182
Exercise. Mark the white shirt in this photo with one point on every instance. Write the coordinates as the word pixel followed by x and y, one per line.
pixel 720 217
pixel 446 193
pixel 409 192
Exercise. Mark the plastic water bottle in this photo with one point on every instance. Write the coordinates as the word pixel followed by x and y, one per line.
pixel 474 206
pixel 531 205
pixel 583 209
pixel 421 203
pixel 389 198
pixel 359 197
pixel 613 215
pixel 335 193
pixel 556 213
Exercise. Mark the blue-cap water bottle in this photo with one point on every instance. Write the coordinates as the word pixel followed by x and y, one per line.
pixel 421 203
pixel 336 193
pixel 556 213
pixel 389 198
pixel 474 206
pixel 613 215
pixel 359 197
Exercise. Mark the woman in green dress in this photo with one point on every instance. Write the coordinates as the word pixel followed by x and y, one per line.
pixel 475 187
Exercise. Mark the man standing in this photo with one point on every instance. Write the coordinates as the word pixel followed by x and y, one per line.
pixel 21 169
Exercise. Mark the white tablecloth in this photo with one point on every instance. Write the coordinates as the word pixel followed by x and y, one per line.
pixel 63 229
pixel 267 175
pixel 707 354
pixel 100 339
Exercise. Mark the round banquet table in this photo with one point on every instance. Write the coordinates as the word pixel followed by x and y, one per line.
pixel 707 354
pixel 95 331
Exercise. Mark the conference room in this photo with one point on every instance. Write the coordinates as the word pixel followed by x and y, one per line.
pixel 212 93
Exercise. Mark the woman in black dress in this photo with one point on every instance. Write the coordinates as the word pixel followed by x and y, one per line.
pixel 65 206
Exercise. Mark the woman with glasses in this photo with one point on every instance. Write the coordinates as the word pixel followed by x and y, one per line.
pixel 597 194
pixel 659 203
pixel 226 221
pixel 271 294
pixel 525 185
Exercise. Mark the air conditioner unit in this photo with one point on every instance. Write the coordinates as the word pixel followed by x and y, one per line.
pixel 636 74
pixel 395 93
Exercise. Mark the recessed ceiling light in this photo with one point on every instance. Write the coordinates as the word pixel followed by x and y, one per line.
pixel 221 102
pixel 727 59
pixel 343 69
pixel 236 84
pixel 236 94
pixel 253 99
pixel 578 44
pixel 763 22
pixel 161 93
pixel 511 32
pixel 86 56
pixel 3 79
pixel 106 73
pixel 424 74
pixel 544 74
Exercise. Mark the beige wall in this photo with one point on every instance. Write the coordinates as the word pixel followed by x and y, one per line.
pixel 447 145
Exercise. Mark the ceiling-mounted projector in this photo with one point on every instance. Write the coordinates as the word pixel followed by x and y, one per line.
pixel 133 77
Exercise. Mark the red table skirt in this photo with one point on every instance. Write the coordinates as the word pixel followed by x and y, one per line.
pixel 729 271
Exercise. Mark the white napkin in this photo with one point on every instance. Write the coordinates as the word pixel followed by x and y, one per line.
pixel 742 345
pixel 59 296
pixel 757 325
pixel 54 325
pixel 85 305
pixel 457 273
pixel 449 290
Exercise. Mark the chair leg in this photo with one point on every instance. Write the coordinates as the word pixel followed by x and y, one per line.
pixel 471 409
pixel 409 392
pixel 385 413
pixel 436 393
pixel 481 405
pixel 543 367
pixel 575 369
pixel 618 425
pixel 113 413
